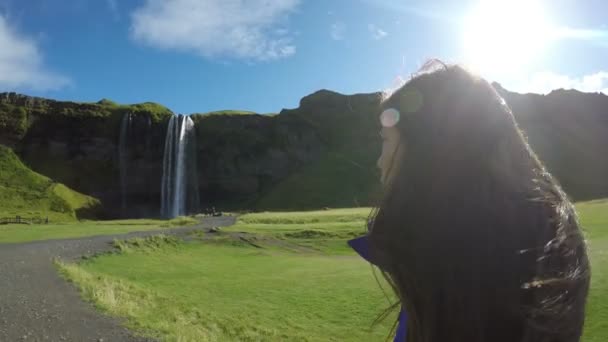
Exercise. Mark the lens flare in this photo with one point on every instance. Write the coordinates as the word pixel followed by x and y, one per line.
pixel 389 118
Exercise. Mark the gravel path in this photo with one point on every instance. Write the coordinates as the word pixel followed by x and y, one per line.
pixel 36 304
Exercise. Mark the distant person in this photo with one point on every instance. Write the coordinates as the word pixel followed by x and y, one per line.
pixel 477 239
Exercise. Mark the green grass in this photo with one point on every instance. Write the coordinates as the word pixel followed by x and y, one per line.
pixel 18 233
pixel 29 194
pixel 323 231
pixel 301 283
pixel 594 218
pixel 221 290
pixel 357 215
pixel 228 293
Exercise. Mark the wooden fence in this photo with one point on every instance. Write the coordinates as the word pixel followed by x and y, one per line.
pixel 24 220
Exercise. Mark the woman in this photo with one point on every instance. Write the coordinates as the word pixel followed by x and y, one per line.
pixel 476 238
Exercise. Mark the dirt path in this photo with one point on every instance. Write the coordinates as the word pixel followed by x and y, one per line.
pixel 36 304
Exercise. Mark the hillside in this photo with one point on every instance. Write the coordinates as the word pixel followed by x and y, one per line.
pixel 28 194
pixel 568 129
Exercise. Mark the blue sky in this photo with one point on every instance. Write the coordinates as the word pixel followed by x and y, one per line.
pixel 264 55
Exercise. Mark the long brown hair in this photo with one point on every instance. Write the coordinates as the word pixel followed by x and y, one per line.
pixel 477 239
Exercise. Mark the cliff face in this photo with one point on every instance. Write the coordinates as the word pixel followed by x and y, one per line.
pixel 241 156
pixel 568 130
pixel 77 144
pixel 320 154
pixel 345 175
pixel 243 159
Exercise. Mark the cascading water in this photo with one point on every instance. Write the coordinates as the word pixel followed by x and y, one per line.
pixel 123 157
pixel 179 186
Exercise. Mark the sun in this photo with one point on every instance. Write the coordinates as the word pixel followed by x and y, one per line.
pixel 505 35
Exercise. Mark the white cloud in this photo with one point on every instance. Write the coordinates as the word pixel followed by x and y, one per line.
pixel 243 29
pixel 21 63
pixel 337 31
pixel 545 82
pixel 377 33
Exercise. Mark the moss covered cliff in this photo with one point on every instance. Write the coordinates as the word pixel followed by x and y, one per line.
pixel 77 144
pixel 345 173
pixel 321 154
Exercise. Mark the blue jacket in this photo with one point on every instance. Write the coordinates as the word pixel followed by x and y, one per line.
pixel 361 246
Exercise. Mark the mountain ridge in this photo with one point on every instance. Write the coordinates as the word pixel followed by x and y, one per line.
pixel 245 157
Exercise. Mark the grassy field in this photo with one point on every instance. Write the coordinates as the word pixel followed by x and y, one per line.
pixel 299 284
pixel 16 233
pixel 594 218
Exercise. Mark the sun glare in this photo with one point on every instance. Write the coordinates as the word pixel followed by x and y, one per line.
pixel 503 35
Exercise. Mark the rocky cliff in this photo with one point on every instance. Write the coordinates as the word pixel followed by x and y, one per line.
pixel 241 155
pixel 76 144
pixel 568 129
pixel 317 155
pixel 243 158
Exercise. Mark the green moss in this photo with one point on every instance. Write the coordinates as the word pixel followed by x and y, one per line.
pixel 101 118
pixel 156 111
pixel 229 112
pixel 13 120
pixel 29 194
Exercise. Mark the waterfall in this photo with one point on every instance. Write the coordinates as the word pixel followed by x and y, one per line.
pixel 123 157
pixel 179 186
